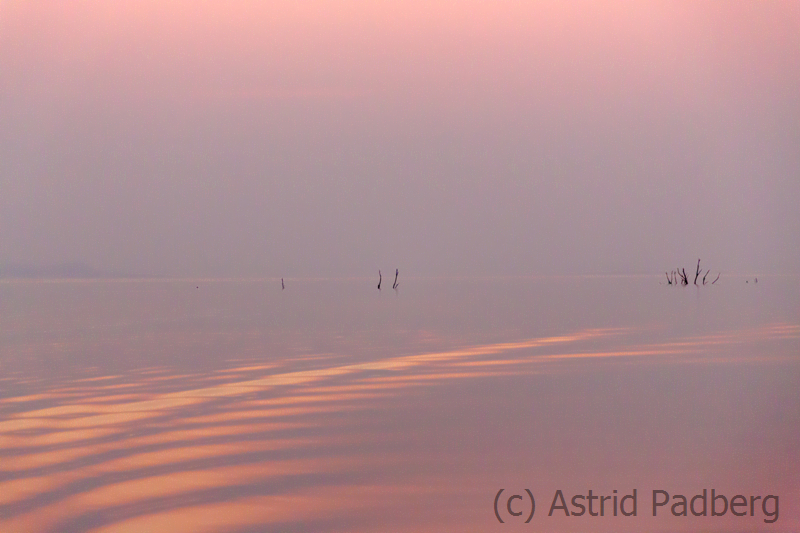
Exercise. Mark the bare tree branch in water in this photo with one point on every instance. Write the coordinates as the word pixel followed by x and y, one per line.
pixel 396 273
pixel 379 280
pixel 672 278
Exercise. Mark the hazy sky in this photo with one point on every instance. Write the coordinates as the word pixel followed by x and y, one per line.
pixel 333 138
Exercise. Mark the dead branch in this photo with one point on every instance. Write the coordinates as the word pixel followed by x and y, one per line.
pixel 379 280
pixel 396 273
pixel 679 276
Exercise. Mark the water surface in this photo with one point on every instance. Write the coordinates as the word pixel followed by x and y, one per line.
pixel 212 405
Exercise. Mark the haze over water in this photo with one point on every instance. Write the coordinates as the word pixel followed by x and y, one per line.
pixel 329 138
pixel 203 405
pixel 217 147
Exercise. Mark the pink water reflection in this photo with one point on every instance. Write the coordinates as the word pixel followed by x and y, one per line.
pixel 412 442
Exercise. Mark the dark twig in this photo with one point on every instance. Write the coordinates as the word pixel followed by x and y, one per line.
pixel 396 273
pixel 679 277
pixel 282 285
pixel 379 280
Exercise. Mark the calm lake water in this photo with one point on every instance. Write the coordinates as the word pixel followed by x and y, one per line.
pixel 210 406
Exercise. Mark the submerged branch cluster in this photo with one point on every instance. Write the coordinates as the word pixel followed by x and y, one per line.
pixel 679 277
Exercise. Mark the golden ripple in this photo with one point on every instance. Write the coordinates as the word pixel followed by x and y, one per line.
pixel 117 450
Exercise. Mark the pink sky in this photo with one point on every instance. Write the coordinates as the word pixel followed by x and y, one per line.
pixel 333 138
